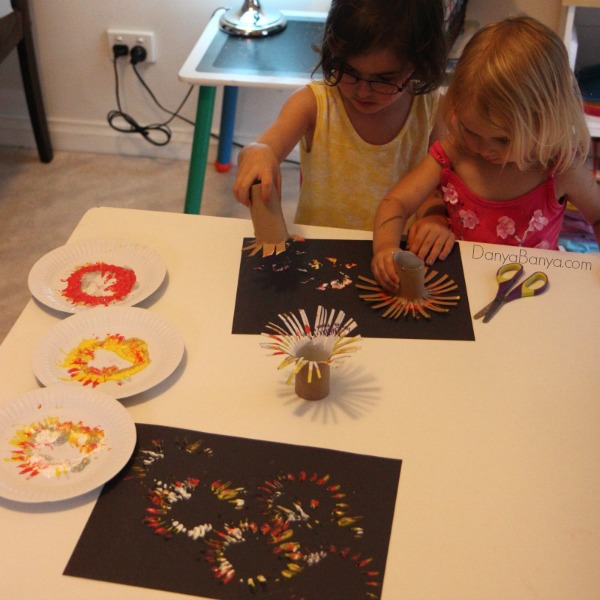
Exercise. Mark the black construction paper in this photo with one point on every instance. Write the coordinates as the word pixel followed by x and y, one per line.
pixel 257 509
pixel 291 280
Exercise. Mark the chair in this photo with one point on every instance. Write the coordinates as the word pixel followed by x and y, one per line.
pixel 15 31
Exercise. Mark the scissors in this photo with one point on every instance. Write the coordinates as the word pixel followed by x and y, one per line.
pixel 507 276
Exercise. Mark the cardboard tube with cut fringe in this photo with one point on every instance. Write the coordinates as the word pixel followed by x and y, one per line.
pixel 311 348
pixel 270 229
pixel 419 291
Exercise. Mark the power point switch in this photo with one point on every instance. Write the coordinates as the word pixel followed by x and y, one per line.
pixel 129 38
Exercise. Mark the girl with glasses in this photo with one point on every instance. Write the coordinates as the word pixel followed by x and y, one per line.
pixel 515 151
pixel 367 122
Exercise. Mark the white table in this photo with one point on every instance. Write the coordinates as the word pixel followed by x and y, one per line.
pixel 498 495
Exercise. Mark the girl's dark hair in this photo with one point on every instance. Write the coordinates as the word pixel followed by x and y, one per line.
pixel 412 29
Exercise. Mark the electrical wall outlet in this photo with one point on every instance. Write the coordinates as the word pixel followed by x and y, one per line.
pixel 129 38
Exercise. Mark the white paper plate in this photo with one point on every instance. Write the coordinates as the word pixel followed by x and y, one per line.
pixel 66 441
pixel 164 350
pixel 48 276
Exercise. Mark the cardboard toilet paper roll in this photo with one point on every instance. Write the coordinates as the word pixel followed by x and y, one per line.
pixel 411 271
pixel 318 388
pixel 267 218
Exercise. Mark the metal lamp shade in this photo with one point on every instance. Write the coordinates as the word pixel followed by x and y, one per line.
pixel 252 21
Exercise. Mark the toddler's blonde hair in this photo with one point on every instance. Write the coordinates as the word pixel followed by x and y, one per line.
pixel 516 74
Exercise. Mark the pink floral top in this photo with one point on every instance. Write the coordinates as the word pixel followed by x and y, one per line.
pixel 532 220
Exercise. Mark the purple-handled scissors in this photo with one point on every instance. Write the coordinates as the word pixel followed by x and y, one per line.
pixel 507 276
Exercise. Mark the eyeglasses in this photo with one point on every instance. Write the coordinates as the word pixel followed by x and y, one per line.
pixel 376 85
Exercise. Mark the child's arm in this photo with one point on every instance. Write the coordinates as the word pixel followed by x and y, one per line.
pixel 583 191
pixel 430 236
pixel 392 213
pixel 260 160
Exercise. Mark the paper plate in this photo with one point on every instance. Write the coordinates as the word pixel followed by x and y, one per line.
pixel 60 442
pixel 120 350
pixel 71 278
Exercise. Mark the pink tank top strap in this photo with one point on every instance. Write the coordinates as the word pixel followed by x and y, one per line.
pixel 439 154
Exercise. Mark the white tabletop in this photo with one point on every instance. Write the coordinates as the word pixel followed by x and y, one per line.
pixel 267 78
pixel 498 437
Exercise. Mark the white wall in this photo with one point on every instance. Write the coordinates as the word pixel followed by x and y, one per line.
pixel 77 77
pixel 547 11
pixel 78 81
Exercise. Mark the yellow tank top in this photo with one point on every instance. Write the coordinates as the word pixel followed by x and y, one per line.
pixel 344 177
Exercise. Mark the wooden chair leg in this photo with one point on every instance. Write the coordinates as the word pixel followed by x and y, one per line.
pixel 31 83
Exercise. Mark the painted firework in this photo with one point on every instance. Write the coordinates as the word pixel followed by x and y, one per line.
pixel 232 518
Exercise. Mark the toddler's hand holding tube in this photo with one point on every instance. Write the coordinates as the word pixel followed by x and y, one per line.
pixel 384 270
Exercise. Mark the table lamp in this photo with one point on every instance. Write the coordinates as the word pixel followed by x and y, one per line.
pixel 252 20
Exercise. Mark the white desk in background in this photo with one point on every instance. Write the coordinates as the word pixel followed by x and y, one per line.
pixel 283 61
pixel 499 437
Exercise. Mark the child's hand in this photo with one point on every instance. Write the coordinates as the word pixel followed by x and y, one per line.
pixel 430 238
pixel 383 268
pixel 256 162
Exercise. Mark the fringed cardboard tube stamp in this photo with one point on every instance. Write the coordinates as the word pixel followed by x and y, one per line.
pixel 311 349
pixel 270 229
pixel 419 292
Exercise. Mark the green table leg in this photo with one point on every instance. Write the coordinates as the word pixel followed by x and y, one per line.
pixel 199 158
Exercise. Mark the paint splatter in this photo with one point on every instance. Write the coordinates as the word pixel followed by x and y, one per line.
pixel 354 575
pixel 309 501
pixel 122 359
pixel 165 498
pixel 55 448
pixel 254 556
pixel 298 542
pixel 324 274
pixel 98 284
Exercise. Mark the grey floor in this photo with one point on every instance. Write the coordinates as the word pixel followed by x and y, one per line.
pixel 40 204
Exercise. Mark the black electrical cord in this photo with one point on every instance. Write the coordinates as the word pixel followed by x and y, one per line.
pixel 144 130
pixel 158 134
pixel 155 99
